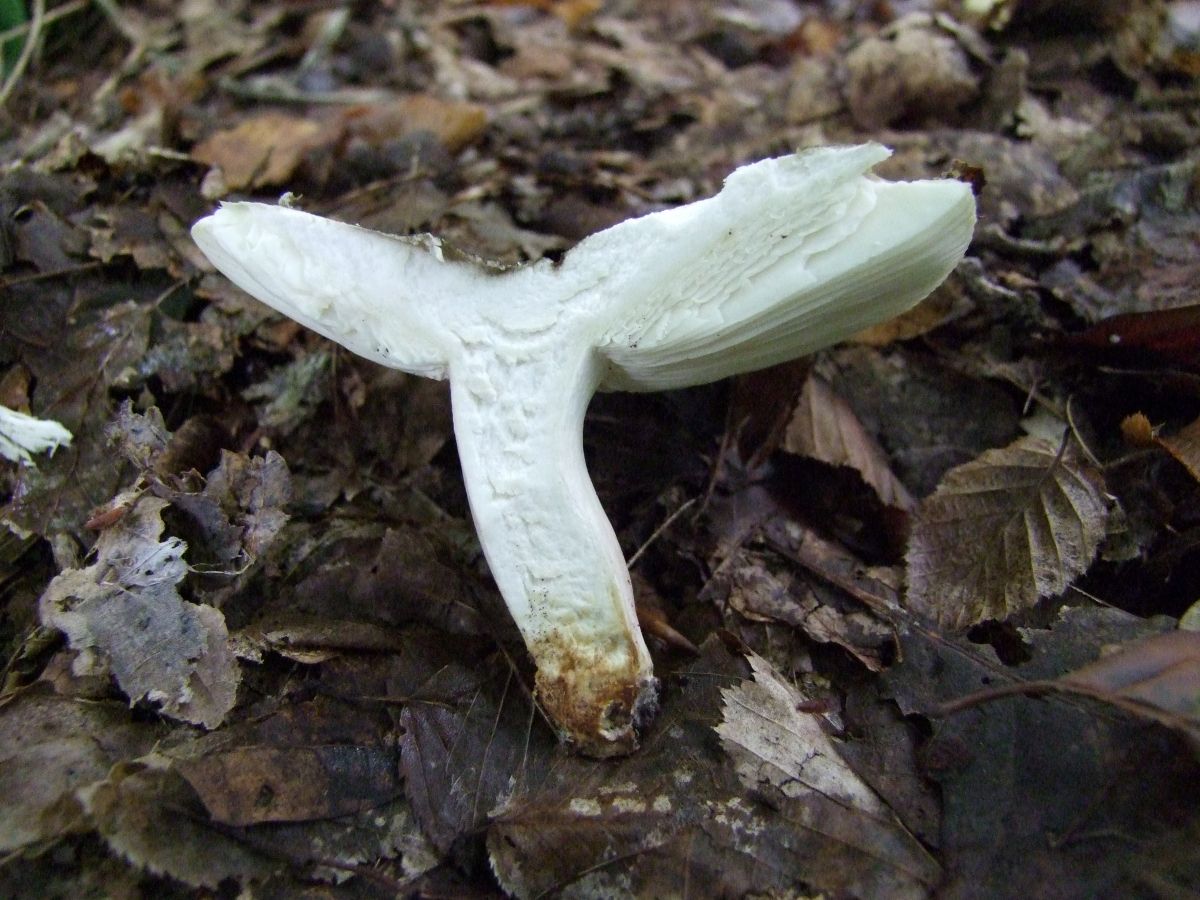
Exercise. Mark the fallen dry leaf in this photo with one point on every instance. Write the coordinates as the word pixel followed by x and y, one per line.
pixel 677 814
pixel 454 124
pixel 786 754
pixel 761 594
pixel 124 615
pixel 1184 445
pixel 51 747
pixel 262 151
pixel 1003 531
pixel 912 69
pixel 825 427
pixel 1155 677
pixel 248 785
pixel 1172 335
pixel 148 814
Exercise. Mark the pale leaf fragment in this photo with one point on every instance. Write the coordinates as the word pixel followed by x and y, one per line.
pixel 1001 532
pixel 825 427
pixel 784 754
pixel 123 614
pixel 773 743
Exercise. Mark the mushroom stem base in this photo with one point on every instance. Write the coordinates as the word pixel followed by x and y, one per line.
pixel 598 714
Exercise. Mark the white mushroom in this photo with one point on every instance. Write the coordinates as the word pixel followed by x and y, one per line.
pixel 22 435
pixel 793 254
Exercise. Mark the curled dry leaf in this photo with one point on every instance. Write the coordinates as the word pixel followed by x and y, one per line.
pixel 1162 670
pixel 825 427
pixel 1003 531
pixel 912 69
pixel 123 614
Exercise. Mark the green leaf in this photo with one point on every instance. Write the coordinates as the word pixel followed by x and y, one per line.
pixel 12 14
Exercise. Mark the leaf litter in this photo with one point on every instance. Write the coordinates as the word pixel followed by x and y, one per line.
pixel 833 553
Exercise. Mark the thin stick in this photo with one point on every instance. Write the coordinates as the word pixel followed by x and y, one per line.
pixel 59 12
pixel 658 531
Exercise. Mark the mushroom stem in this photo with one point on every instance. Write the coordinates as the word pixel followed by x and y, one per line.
pixel 518 417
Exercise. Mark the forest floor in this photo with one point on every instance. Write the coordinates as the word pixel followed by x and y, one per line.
pixel 250 640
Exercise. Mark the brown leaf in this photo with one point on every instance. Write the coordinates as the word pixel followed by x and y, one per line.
pixel 468 741
pixel 1014 771
pixel 825 427
pixel 262 151
pixel 240 509
pixel 1155 677
pixel 314 639
pixel 1162 671
pixel 403 575
pixel 1001 532
pixel 248 785
pixel 74 360
pixel 1169 334
pixel 252 491
pixel 1184 445
pixel 676 813
pixel 947 302
pixel 762 594
pixel 454 124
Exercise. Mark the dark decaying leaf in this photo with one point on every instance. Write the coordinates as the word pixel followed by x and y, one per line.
pixel 1169 334
pixel 123 614
pixel 1014 526
pixel 315 639
pixel 825 427
pixel 758 591
pixel 1156 677
pixel 148 814
pixel 51 747
pixel 74 368
pixel 238 511
pixel 468 742
pixel 1036 792
pixel 404 575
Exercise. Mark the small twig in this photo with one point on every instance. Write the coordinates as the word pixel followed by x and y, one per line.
pixel 1129 705
pixel 46 276
pixel 722 449
pixel 59 12
pixel 36 23
pixel 120 22
pixel 667 523
pixel 1079 438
